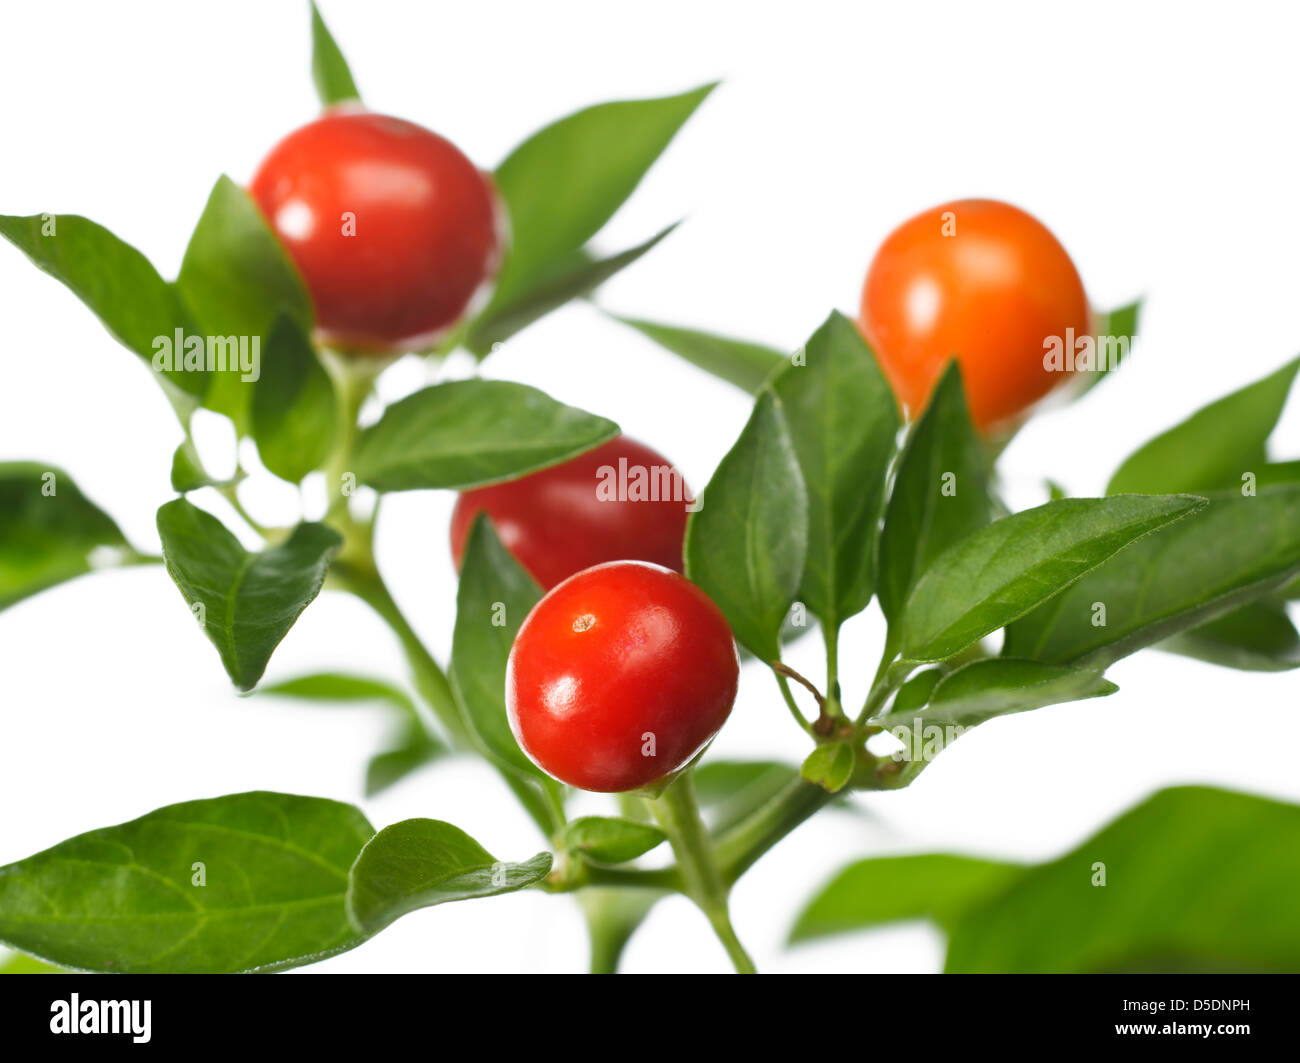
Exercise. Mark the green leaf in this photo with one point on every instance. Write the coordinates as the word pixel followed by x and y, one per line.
pixel 940 493
pixel 188 473
pixel 252 881
pixel 21 963
pixel 237 279
pixel 472 432
pixel 607 840
pixel 1258 637
pixel 1002 571
pixel 246 603
pixel 729 791
pixel 1237 549
pixel 329 70
pixel 842 418
pixel 422 862
pixel 414 749
pixel 829 766
pixel 914 695
pixel 1213 447
pixel 294 408
pixel 747 365
pixel 745 546
pixel 1116 327
pixel 935 887
pixel 114 280
pixel 47 538
pixel 981 690
pixel 1195 880
pixel 341 688
pixel 494 596
pixel 573 278
pixel 562 184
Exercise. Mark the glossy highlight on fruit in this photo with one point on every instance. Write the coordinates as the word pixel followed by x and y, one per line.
pixel 621 501
pixel 982 282
pixel 393 229
pixel 620 676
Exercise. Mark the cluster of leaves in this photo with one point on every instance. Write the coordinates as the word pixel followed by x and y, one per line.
pixel 1194 548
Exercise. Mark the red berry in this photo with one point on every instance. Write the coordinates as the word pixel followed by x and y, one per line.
pixel 620 676
pixel 619 502
pixel 392 228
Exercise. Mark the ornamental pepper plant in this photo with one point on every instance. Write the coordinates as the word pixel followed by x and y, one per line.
pixel 607 615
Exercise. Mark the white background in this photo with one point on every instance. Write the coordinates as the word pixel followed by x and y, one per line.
pixel 1157 142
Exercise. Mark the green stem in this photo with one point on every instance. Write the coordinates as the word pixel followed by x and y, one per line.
pixel 740 848
pixel 788 695
pixel 354 379
pixel 430 679
pixel 831 636
pixel 679 816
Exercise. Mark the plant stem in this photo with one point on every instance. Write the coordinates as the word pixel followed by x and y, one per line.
pixel 831 636
pixel 430 680
pixel 679 816
pixel 788 695
pixel 740 848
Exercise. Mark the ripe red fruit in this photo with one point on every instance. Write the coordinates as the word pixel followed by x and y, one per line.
pixel 979 281
pixel 392 228
pixel 620 676
pixel 621 501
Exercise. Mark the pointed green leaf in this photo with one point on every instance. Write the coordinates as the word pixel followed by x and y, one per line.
pixel 340 688
pixel 1213 447
pixel 50 531
pixel 608 840
pixel 236 279
pixel 246 603
pixel 294 407
pixel 1004 570
pixel 562 184
pixel 1258 637
pixel 419 863
pixel 893 889
pixel 494 596
pixel 739 362
pixel 413 750
pixel 1237 549
pixel 998 686
pixel 573 278
pixel 253 881
pixel 940 493
pixel 745 546
pixel 471 432
pixel 1195 880
pixel 329 70
pixel 115 282
pixel 843 419
pixel 1115 332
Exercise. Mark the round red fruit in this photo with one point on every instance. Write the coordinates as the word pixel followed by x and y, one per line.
pixel 620 676
pixel 621 501
pixel 393 229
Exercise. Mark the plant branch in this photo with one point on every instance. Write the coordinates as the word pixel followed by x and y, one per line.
pixel 679 816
